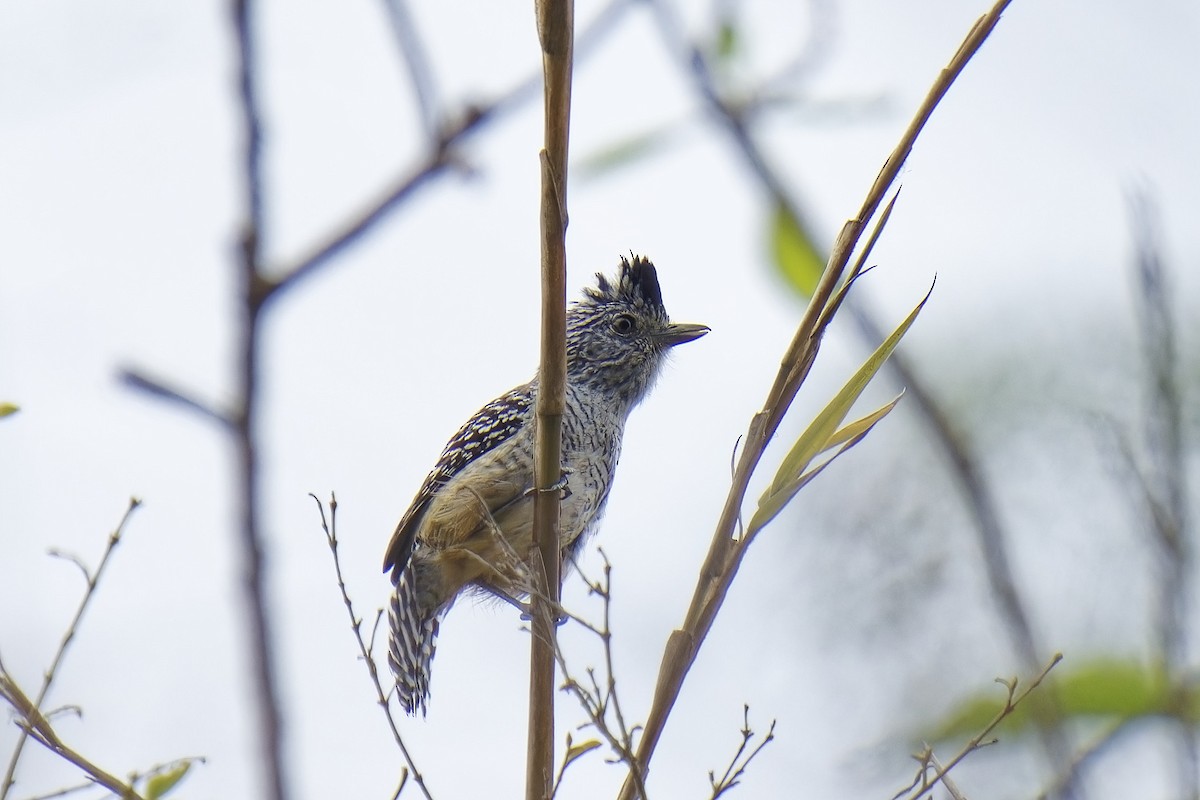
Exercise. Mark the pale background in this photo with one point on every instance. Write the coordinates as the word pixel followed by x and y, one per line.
pixel 858 617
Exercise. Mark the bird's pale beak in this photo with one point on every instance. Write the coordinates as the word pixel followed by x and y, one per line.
pixel 680 332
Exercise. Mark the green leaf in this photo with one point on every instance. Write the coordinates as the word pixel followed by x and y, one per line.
pixel 8 409
pixel 1111 688
pixel 161 784
pixel 798 259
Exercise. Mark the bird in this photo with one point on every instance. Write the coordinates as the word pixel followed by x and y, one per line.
pixel 471 523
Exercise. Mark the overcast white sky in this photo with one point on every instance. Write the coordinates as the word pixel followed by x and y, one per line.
pixel 118 214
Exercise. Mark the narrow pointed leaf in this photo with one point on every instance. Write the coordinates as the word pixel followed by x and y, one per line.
pixel 862 424
pixel 7 409
pixel 816 437
pixel 855 432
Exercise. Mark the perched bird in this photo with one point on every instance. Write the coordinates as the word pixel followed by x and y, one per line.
pixel 471 523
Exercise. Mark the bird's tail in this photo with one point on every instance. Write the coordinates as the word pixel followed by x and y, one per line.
pixel 414 631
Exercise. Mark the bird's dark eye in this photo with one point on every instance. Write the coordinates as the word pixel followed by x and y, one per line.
pixel 623 324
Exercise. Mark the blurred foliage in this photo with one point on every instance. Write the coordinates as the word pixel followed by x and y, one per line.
pixel 725 43
pixel 798 259
pixel 624 152
pixel 8 409
pixel 1104 688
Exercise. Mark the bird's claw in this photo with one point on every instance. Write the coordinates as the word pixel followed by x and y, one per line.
pixel 560 485
pixel 560 618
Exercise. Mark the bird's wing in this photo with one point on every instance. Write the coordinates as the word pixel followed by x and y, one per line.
pixel 492 425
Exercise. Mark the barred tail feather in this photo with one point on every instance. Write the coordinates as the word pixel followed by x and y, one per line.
pixel 413 641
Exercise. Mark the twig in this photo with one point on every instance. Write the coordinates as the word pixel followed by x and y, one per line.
pixel 738 764
pixel 926 784
pixel 65 791
pixel 329 526
pixel 92 579
pixel 404 773
pixel 597 701
pixel 157 388
pixel 605 593
pixel 562 768
pixel 35 725
pixel 949 785
pixel 725 555
pixel 571 754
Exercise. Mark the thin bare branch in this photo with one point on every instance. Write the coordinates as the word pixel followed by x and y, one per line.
pixel 925 784
pixel 736 769
pixel 33 724
pixel 329 526
pixel 159 389
pixel 948 784
pixel 79 787
pixel 92 579
pixel 598 700
pixel 404 773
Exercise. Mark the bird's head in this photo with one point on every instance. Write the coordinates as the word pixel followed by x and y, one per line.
pixel 619 333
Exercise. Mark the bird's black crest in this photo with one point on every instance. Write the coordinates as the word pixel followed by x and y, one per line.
pixel 636 280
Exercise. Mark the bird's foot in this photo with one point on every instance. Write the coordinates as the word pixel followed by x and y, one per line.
pixel 560 616
pixel 558 486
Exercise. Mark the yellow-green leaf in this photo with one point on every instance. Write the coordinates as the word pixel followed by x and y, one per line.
pixel 859 427
pixel 7 409
pixel 772 503
pixel 816 437
pixel 577 750
pixel 823 432
pixel 161 784
pixel 797 258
